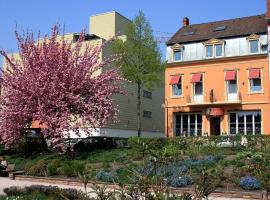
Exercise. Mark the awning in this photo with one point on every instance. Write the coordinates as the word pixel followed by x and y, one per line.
pixel 254 73
pixel 196 78
pixel 230 75
pixel 175 79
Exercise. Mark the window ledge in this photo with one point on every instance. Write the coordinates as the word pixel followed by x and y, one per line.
pixel 177 97
pixel 252 93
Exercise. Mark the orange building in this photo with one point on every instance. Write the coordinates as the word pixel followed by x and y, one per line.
pixel 217 78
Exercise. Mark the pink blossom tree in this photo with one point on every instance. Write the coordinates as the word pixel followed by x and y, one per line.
pixel 54 82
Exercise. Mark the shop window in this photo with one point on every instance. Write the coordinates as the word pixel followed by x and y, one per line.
pixel 188 124
pixel 245 122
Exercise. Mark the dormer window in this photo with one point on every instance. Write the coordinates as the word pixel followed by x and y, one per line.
pixel 254 46
pixel 253 43
pixel 214 48
pixel 209 51
pixel 218 50
pixel 177 52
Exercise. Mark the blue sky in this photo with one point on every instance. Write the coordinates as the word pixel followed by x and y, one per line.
pixel 164 16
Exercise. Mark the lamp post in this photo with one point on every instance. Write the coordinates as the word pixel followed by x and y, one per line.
pixel 165 105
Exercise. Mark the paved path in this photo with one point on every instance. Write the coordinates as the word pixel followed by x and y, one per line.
pixel 5 182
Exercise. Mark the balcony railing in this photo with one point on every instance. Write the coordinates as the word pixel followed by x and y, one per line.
pixel 213 97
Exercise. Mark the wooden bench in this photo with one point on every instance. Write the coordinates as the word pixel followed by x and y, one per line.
pixel 10 168
pixel 12 175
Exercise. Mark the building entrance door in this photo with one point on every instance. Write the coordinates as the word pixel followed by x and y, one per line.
pixel 215 126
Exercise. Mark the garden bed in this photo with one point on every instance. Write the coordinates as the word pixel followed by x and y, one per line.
pixel 219 192
pixel 181 161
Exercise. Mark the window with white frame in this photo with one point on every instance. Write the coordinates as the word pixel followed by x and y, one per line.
pixel 176 83
pixel 218 50
pixel 214 50
pixel 255 80
pixel 209 51
pixel 245 122
pixel 177 54
pixel 254 46
pixel 255 85
pixel 177 89
pixel 188 124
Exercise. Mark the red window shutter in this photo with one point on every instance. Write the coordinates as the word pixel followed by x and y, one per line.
pixel 196 78
pixel 254 73
pixel 175 79
pixel 230 75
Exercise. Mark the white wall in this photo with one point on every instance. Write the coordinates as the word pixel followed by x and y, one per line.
pixel 233 47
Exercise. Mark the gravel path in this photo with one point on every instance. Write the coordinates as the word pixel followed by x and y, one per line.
pixel 5 182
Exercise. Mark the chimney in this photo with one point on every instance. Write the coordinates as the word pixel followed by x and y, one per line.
pixel 185 21
pixel 267 16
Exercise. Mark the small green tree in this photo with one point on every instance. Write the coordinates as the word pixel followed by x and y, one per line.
pixel 140 60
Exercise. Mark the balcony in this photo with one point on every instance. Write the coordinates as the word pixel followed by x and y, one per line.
pixel 214 98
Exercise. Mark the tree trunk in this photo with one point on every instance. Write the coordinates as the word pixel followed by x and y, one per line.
pixel 139 110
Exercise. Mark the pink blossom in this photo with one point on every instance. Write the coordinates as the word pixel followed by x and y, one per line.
pixel 53 82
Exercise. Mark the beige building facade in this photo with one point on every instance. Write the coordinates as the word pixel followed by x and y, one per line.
pixel 106 26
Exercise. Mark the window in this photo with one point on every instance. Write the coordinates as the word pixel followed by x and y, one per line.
pixel 245 122
pixel 232 86
pixel 177 89
pixel 147 94
pixel 218 50
pixel 188 124
pixel 215 50
pixel 254 46
pixel 255 80
pixel 147 114
pixel 177 54
pixel 176 82
pixel 209 51
pixel 220 28
pixel 255 85
pixel 189 33
pixel 197 87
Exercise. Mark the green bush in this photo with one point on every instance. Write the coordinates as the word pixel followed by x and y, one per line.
pixel 52 167
pixel 95 143
pixel 38 169
pixel 30 145
pixel 150 143
pixel 78 167
pixel 66 169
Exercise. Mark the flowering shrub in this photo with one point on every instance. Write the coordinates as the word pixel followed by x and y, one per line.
pixel 104 176
pixel 249 183
pixel 66 93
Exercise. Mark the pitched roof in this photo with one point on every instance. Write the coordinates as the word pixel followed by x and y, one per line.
pixel 229 28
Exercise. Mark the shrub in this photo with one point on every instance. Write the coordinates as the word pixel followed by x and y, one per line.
pixel 52 167
pixel 95 143
pixel 51 192
pixel 66 169
pixel 150 143
pixel 38 169
pixel 78 167
pixel 249 183
pixel 180 181
pixel 31 145
pixel 104 176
